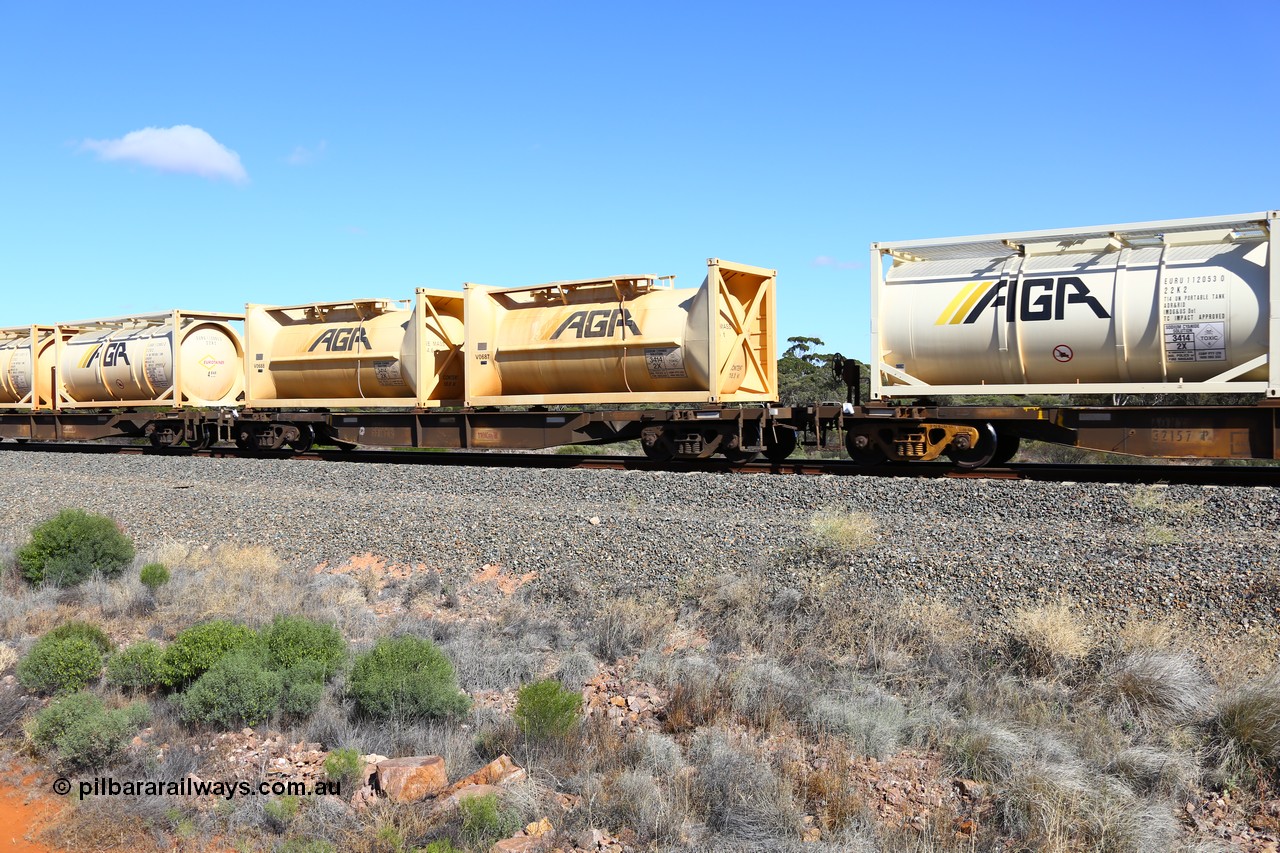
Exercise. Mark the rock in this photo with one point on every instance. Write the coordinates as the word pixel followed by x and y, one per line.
pixel 364 797
pixel 539 828
pixel 594 520
pixel 500 771
pixel 408 780
pixel 452 800
pixel 518 844
pixel 591 839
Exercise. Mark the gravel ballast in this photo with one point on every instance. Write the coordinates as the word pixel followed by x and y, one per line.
pixel 1207 555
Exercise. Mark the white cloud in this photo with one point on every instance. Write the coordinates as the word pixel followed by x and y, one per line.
pixel 828 261
pixel 303 156
pixel 182 149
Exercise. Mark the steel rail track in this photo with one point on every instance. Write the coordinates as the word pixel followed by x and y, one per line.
pixel 1221 475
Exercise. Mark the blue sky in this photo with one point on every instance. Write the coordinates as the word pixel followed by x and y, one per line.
pixel 344 150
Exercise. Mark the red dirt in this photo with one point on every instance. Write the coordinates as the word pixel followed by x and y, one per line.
pixel 20 816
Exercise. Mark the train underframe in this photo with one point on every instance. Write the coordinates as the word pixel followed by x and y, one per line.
pixel 966 436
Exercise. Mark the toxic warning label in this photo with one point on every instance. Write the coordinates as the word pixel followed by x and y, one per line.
pixel 388 372
pixel 1195 341
pixel 1194 312
pixel 665 362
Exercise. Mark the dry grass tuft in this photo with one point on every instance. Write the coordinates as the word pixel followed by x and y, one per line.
pixel 834 530
pixel 740 794
pixel 1245 731
pixel 985 751
pixel 626 626
pixel 8 657
pixel 1151 771
pixel 766 694
pixel 246 584
pixel 1158 688
pixel 1048 640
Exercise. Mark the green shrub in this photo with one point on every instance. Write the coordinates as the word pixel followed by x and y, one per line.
pixel 238 690
pixel 406 677
pixel 195 650
pixel 441 845
pixel 280 812
pixel 72 545
pixel 83 631
pixel 82 732
pixel 307 845
pixel 486 820
pixel 137 667
pixel 343 765
pixel 154 576
pixel 291 640
pixel 303 688
pixel 63 660
pixel 546 709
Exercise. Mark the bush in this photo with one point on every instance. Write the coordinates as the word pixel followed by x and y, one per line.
pixel 303 689
pixel 406 677
pixel 343 765
pixel 83 631
pixel 154 576
pixel 137 667
pixel 546 709
pixel 291 640
pixel 72 545
pixel 485 820
pixel 63 660
pixel 741 794
pixel 195 650
pixel 82 732
pixel 765 693
pixel 238 690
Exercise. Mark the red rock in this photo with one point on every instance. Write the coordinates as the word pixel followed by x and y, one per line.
pixel 408 780
pixel 518 844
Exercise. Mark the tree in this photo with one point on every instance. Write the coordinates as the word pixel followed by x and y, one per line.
pixel 805 373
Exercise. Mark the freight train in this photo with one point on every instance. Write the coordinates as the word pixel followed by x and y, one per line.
pixel 966 333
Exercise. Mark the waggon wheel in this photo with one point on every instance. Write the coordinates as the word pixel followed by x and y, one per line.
pixel 863 450
pixel 1006 448
pixel 306 437
pixel 779 443
pixel 750 438
pixel 658 451
pixel 981 453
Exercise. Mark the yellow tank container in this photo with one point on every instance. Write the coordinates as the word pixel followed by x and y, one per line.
pixel 394 352
pixel 24 383
pixel 624 339
pixel 134 361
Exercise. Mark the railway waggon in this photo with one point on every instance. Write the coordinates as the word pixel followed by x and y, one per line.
pixel 960 327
